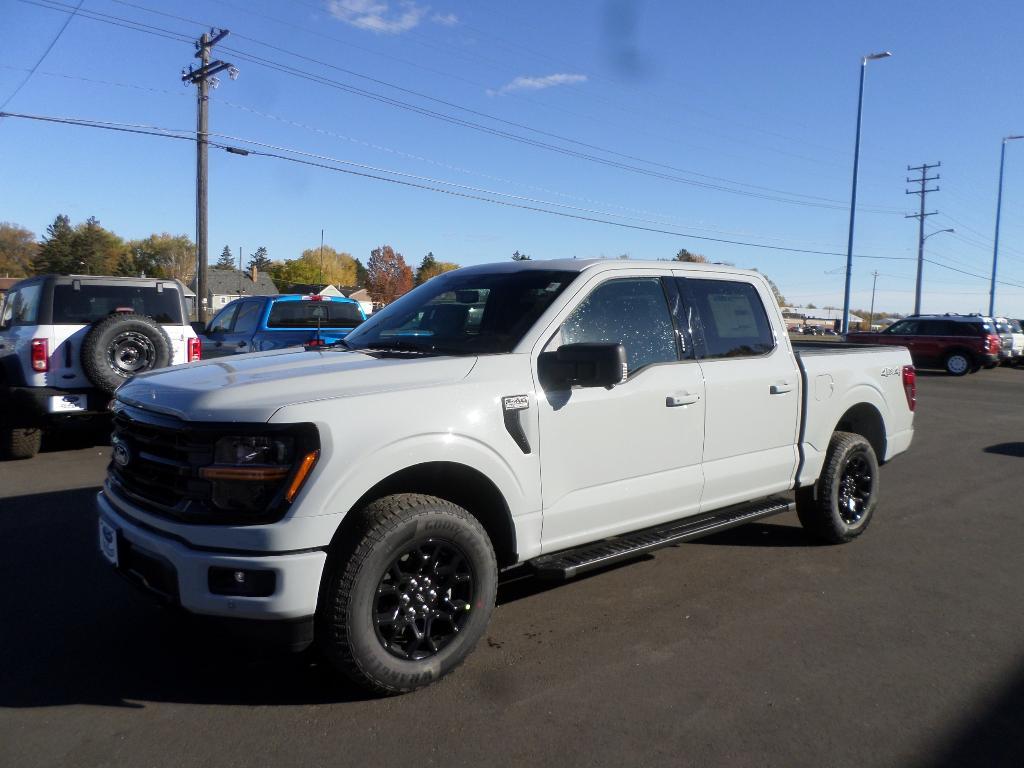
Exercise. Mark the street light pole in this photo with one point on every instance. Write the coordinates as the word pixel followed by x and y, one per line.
pixel 999 206
pixel 853 195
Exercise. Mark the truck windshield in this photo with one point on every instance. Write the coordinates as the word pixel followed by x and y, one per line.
pixel 309 314
pixel 94 302
pixel 463 313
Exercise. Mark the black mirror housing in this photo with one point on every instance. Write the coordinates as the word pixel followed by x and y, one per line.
pixel 587 364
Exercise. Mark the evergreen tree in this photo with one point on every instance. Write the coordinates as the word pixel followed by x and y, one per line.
pixel 226 260
pixel 55 254
pixel 260 260
pixel 360 273
pixel 517 256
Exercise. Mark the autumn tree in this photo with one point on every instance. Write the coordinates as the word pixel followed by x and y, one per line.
pixel 17 250
pixel 334 268
pixel 517 256
pixel 163 255
pixel 387 275
pixel 431 267
pixel 775 289
pixel 694 258
pixel 260 260
pixel 226 259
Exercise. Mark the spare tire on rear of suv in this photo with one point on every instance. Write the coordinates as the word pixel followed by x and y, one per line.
pixel 121 346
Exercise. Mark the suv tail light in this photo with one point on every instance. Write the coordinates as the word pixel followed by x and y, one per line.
pixel 195 349
pixel 40 355
pixel 992 343
pixel 910 386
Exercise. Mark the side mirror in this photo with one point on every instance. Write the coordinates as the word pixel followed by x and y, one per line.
pixel 198 327
pixel 590 364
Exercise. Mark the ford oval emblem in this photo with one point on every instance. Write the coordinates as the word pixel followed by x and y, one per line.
pixel 122 454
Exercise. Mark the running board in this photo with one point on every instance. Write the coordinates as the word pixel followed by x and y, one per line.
pixel 598 554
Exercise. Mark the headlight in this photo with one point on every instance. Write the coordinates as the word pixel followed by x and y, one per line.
pixel 252 474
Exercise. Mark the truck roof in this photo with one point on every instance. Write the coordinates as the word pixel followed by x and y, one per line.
pixel 581 265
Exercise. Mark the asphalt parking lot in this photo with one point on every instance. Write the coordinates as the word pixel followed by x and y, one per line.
pixel 754 647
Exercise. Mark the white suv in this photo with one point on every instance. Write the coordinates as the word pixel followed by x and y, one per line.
pixel 67 342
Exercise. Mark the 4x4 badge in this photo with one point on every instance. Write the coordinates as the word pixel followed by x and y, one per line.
pixel 515 402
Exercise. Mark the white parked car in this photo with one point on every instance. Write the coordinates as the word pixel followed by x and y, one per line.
pixel 67 342
pixel 1011 329
pixel 564 415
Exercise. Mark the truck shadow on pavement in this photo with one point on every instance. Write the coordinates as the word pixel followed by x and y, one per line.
pixel 1007 449
pixel 74 632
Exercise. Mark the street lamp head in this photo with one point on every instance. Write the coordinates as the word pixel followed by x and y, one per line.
pixel 879 55
pixel 1012 138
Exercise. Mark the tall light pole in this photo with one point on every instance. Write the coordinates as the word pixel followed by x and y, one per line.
pixel 920 267
pixel 853 195
pixel 999 206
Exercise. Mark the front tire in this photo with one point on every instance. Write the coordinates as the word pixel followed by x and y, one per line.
pixel 958 363
pixel 839 507
pixel 409 596
pixel 20 443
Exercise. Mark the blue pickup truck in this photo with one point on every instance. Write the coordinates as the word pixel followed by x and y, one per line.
pixel 272 322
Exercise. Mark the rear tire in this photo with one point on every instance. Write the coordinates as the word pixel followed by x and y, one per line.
pixel 409 595
pixel 958 363
pixel 839 507
pixel 20 443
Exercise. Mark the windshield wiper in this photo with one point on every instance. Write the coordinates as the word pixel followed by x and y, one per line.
pixel 407 347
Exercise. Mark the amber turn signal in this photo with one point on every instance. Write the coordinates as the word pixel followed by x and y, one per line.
pixel 305 467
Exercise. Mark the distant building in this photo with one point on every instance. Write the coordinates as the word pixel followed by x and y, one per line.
pixel 6 283
pixel 361 295
pixel 310 289
pixel 225 285
pixel 797 317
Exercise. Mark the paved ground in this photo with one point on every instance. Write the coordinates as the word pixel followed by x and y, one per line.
pixel 751 648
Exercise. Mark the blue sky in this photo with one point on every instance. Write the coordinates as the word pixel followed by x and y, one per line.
pixel 756 98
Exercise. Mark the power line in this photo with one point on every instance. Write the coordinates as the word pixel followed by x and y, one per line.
pixel 46 53
pixel 182 135
pixel 809 201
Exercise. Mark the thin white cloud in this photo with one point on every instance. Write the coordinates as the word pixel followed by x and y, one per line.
pixel 525 83
pixel 380 16
pixel 445 19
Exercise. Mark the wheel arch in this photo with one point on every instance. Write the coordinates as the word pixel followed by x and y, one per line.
pixel 866 420
pixel 458 483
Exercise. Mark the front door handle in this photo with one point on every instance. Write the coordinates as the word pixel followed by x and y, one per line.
pixel 681 398
pixel 781 388
pixel 241 343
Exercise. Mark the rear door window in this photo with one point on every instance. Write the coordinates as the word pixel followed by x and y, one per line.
pixel 731 318
pixel 21 306
pixel 310 314
pixel 92 302
pixel 248 317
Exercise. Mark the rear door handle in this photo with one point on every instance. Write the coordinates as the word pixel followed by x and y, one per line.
pixel 681 398
pixel 781 388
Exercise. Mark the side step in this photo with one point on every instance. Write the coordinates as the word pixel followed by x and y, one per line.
pixel 597 554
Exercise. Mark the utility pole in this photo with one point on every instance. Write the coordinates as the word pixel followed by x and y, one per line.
pixel 871 315
pixel 203 78
pixel 923 192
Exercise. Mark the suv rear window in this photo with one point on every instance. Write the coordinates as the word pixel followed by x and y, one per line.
pixel 307 314
pixel 92 302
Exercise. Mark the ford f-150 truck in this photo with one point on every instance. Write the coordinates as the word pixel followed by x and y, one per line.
pixel 561 415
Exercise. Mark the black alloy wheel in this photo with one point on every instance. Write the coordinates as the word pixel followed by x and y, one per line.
pixel 855 487
pixel 423 599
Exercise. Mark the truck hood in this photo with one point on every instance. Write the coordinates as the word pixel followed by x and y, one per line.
pixel 252 387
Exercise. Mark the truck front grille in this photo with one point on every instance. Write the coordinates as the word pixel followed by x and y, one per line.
pixel 155 461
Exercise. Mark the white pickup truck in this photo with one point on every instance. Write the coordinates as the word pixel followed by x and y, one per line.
pixel 559 415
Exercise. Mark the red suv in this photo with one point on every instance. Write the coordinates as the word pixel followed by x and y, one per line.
pixel 959 343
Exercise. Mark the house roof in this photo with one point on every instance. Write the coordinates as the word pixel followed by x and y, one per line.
pixel 311 288
pixel 232 282
pixel 355 292
pixel 816 313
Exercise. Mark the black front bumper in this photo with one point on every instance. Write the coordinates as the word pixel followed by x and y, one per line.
pixel 30 406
